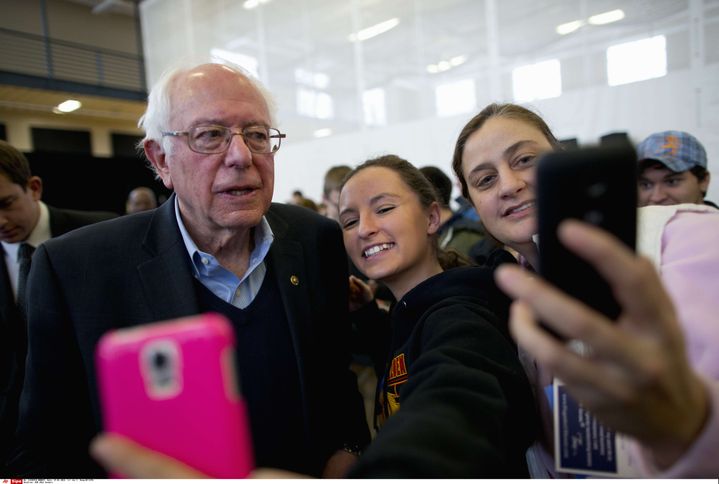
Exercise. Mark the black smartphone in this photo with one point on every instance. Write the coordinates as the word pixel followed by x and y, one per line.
pixel 595 185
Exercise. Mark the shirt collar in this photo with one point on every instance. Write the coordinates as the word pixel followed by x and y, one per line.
pixel 41 232
pixel 263 237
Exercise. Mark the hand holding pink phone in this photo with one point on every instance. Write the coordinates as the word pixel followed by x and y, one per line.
pixel 171 386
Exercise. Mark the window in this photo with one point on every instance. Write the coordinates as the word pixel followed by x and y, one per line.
pixel 637 61
pixel 317 80
pixel 247 62
pixel 455 98
pixel 315 104
pixel 312 101
pixel 373 104
pixel 542 80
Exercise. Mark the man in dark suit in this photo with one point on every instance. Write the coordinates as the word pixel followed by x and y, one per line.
pixel 278 272
pixel 25 221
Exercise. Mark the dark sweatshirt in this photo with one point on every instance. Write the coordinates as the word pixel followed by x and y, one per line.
pixel 454 395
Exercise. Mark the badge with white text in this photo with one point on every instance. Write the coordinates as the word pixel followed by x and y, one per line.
pixel 582 445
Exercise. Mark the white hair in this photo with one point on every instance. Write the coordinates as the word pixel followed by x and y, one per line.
pixel 157 116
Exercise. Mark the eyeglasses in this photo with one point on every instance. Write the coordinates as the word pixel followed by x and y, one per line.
pixel 213 139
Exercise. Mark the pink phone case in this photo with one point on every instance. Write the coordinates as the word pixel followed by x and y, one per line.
pixel 171 386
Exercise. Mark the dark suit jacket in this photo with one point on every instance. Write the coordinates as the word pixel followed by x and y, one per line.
pixel 13 339
pixel 136 270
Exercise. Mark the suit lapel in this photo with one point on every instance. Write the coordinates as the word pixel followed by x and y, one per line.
pixel 166 276
pixel 168 286
pixel 288 267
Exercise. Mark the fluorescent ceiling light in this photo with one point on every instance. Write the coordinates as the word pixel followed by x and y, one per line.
pixel 458 60
pixel 375 30
pixel 445 65
pixel 250 4
pixel 322 133
pixel 68 106
pixel 599 19
pixel 569 27
pixel 606 17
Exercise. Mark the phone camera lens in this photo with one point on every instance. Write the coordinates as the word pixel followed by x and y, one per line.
pixel 162 368
pixel 159 360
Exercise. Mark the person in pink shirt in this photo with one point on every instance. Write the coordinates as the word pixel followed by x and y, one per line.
pixel 654 375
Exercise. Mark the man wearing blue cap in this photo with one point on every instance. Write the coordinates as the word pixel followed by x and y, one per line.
pixel 672 169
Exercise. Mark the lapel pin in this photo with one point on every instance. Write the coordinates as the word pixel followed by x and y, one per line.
pixel 294 280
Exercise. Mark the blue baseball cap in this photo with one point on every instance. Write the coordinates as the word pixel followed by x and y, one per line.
pixel 677 150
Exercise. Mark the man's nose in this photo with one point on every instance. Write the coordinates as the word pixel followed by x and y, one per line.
pixel 238 154
pixel 657 194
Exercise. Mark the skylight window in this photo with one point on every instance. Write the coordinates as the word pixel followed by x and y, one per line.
pixel 542 80
pixel 317 80
pixel 314 104
pixel 375 110
pixel 637 61
pixel 455 97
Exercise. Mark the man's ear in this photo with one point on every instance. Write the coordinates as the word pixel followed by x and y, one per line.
pixel 434 218
pixel 157 156
pixel 34 184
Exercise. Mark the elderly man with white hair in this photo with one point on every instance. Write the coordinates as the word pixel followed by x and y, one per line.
pixel 218 244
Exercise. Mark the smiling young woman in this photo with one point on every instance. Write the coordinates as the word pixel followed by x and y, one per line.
pixel 642 380
pixel 453 400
